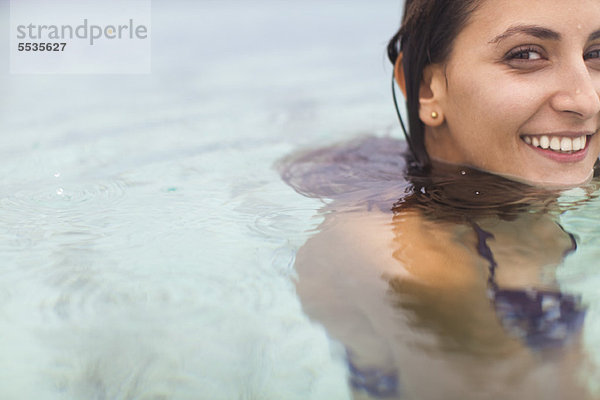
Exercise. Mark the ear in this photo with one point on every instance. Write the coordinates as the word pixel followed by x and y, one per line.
pixel 431 92
pixel 399 74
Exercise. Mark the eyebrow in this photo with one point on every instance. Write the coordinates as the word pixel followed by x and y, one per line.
pixel 594 36
pixel 531 30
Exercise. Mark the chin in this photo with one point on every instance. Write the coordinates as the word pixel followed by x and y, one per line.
pixel 555 181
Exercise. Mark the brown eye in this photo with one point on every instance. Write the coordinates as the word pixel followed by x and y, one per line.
pixel 525 53
pixel 527 57
pixel 592 55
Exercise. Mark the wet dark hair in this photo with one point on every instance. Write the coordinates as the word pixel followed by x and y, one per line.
pixel 428 30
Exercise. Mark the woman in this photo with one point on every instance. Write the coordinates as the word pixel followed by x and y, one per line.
pixel 455 286
pixel 504 86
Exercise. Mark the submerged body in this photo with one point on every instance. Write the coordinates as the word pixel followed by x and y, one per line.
pixel 408 288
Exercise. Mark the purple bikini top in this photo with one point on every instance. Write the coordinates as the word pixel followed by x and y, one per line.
pixel 541 318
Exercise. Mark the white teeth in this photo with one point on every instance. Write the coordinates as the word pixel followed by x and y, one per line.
pixel 566 144
pixel 557 143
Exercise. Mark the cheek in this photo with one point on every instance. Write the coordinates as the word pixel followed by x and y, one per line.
pixel 490 108
pixel 485 117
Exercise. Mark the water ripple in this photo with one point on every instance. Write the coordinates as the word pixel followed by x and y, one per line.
pixel 282 222
pixel 65 196
pixel 67 212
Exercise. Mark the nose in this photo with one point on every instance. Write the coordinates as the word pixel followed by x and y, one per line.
pixel 578 90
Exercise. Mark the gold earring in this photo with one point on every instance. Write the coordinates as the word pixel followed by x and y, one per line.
pixel 434 115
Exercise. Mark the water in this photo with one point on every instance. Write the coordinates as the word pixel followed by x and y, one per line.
pixel 147 241
pixel 149 244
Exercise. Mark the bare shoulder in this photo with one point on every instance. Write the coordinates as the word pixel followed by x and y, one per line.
pixel 404 245
pixel 350 243
pixel 436 252
pixel 351 273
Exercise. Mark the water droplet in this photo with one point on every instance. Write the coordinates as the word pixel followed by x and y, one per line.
pixel 59 191
pixel 463 172
pixel 57 175
pixel 477 193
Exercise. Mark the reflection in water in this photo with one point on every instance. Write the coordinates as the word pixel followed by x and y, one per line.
pixel 446 275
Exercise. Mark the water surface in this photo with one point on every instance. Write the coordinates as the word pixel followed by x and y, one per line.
pixel 147 240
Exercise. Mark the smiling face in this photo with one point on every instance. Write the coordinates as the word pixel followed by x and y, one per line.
pixel 519 93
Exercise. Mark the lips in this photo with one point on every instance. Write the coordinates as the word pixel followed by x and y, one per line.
pixel 561 144
pixel 568 147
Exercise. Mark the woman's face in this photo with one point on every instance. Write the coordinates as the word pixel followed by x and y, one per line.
pixel 519 94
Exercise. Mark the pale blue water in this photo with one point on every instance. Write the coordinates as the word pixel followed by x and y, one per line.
pixel 580 274
pixel 147 243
